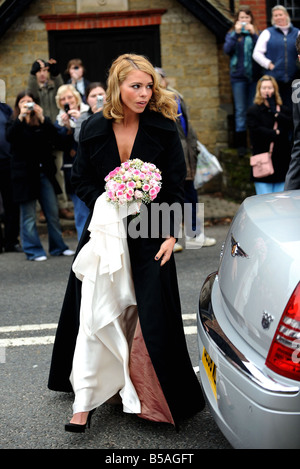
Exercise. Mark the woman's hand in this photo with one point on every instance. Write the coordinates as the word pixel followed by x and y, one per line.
pixel 249 27
pixel 66 120
pixel 166 250
pixel 24 111
pixel 39 113
pixel 238 27
pixel 75 113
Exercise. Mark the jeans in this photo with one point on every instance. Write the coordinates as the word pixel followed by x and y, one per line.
pixel 243 96
pixel 268 187
pixel 81 213
pixel 31 243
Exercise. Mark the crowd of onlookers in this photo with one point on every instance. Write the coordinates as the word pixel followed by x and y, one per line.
pixel 39 137
pixel 263 67
pixel 39 140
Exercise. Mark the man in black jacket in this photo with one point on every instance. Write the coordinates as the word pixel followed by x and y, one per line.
pixel 292 180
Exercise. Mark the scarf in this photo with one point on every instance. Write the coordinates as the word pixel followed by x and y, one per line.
pixel 248 50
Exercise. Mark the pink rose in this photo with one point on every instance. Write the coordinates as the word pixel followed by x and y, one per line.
pixel 111 195
pixel 152 192
pixel 146 187
pixel 138 194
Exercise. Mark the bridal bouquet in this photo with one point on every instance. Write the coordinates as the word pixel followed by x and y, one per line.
pixel 133 181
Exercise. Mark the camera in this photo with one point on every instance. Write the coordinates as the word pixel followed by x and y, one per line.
pixel 30 106
pixel 66 107
pixel 99 101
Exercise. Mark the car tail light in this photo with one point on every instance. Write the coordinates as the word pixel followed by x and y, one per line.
pixel 284 353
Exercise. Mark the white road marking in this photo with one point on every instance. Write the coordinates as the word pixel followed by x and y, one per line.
pixel 27 327
pixel 188 330
pixel 49 339
pixel 19 341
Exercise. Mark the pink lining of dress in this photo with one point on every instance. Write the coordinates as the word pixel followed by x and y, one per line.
pixel 153 402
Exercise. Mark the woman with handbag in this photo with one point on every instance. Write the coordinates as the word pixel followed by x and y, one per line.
pixel 270 124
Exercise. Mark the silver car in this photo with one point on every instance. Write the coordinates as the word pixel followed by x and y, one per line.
pixel 249 326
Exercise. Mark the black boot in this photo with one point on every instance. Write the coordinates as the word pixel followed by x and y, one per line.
pixel 241 143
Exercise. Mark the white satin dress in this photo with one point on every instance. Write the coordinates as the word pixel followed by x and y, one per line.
pixel 108 314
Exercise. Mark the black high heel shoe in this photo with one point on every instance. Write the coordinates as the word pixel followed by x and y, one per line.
pixel 76 427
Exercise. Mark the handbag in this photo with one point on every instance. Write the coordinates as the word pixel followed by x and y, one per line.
pixel 262 165
pixel 208 166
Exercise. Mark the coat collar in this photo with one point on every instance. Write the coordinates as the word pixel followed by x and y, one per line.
pixel 97 125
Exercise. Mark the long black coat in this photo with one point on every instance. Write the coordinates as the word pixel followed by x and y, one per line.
pixel 260 123
pixel 32 150
pixel 156 287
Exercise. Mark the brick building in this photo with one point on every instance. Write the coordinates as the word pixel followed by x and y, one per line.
pixel 185 37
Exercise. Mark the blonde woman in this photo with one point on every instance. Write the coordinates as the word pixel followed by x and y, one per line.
pixel 141 355
pixel 70 107
pixel 261 117
pixel 276 53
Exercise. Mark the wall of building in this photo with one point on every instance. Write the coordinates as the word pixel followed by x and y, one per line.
pixel 193 61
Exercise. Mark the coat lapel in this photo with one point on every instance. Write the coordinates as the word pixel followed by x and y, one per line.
pixel 145 147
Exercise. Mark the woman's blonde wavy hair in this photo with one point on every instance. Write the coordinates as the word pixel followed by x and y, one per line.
pixel 258 99
pixel 162 101
pixel 62 89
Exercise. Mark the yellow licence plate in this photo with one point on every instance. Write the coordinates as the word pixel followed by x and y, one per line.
pixel 211 370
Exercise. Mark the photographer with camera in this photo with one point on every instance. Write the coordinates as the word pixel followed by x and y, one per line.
pixel 43 82
pixel 71 107
pixel 76 71
pixel 33 136
pixel 244 71
pixel 95 98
